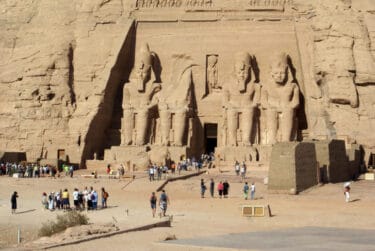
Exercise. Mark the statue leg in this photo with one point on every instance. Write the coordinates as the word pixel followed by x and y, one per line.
pixel 286 125
pixel 247 125
pixel 179 128
pixel 232 120
pixel 165 124
pixel 142 120
pixel 271 126
pixel 127 127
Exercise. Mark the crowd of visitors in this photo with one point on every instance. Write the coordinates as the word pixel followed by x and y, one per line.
pixel 27 170
pixel 86 199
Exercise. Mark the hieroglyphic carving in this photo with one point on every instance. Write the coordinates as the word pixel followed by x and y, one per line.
pixel 280 99
pixel 273 3
pixel 240 98
pixel 212 72
pixel 174 3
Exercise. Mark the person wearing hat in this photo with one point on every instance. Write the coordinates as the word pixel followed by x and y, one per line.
pixel 13 201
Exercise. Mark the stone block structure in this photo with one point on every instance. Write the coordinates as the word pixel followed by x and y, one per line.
pixel 293 167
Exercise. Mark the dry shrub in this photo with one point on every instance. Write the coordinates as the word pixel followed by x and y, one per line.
pixel 64 221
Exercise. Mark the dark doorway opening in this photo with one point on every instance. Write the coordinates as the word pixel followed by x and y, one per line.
pixel 210 135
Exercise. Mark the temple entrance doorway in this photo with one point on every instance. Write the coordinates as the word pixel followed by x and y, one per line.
pixel 210 136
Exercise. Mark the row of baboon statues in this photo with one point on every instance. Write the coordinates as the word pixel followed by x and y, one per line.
pixel 240 97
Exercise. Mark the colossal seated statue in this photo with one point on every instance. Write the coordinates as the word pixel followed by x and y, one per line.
pixel 240 97
pixel 138 96
pixel 174 102
pixel 280 98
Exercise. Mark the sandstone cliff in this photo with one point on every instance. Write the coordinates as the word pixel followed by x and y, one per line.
pixel 63 63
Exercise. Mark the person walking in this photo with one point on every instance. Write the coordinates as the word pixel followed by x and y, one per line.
pixel 153 201
pixel 203 188
pixel 212 187
pixel 164 201
pixel 252 191
pixel 13 201
pixel 105 196
pixel 245 191
pixel 347 191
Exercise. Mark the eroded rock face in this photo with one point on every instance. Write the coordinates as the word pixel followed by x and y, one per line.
pixel 64 65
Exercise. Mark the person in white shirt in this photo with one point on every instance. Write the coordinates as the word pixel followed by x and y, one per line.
pixel 252 190
pixel 75 199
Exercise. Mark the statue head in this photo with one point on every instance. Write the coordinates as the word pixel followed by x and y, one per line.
pixel 279 69
pixel 143 67
pixel 242 69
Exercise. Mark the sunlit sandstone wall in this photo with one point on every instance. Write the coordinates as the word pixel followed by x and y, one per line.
pixel 62 64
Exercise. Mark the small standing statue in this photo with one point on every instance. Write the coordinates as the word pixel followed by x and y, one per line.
pixel 212 79
pixel 280 99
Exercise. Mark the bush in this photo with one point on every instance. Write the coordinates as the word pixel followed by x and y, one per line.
pixel 64 221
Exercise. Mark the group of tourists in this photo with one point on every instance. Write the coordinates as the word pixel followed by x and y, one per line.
pixel 240 169
pixel 156 172
pixel 85 199
pixel 222 188
pixel 27 170
pixel 163 203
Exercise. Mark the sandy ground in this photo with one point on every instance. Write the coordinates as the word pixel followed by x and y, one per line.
pixel 193 216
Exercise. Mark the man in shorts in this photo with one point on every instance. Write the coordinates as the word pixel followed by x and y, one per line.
pixel 164 201
pixel 153 201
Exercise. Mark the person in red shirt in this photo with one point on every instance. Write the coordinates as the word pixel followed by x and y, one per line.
pixel 220 189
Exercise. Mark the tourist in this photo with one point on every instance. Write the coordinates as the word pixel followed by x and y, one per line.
pixel 81 202
pixel 246 191
pixel 71 170
pixel 237 168
pixel 165 171
pixel 75 199
pixel 220 188
pixel 164 201
pixel 212 187
pixel 252 191
pixel 51 201
pixel 108 169
pixel 243 171
pixel 347 191
pixel 65 200
pixel 94 198
pixel 88 198
pixel 151 171
pixel 225 189
pixel 44 200
pixel 153 201
pixel 105 196
pixel 203 188
pixel 159 171
pixel 13 201
pixel 84 197
pixel 58 200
